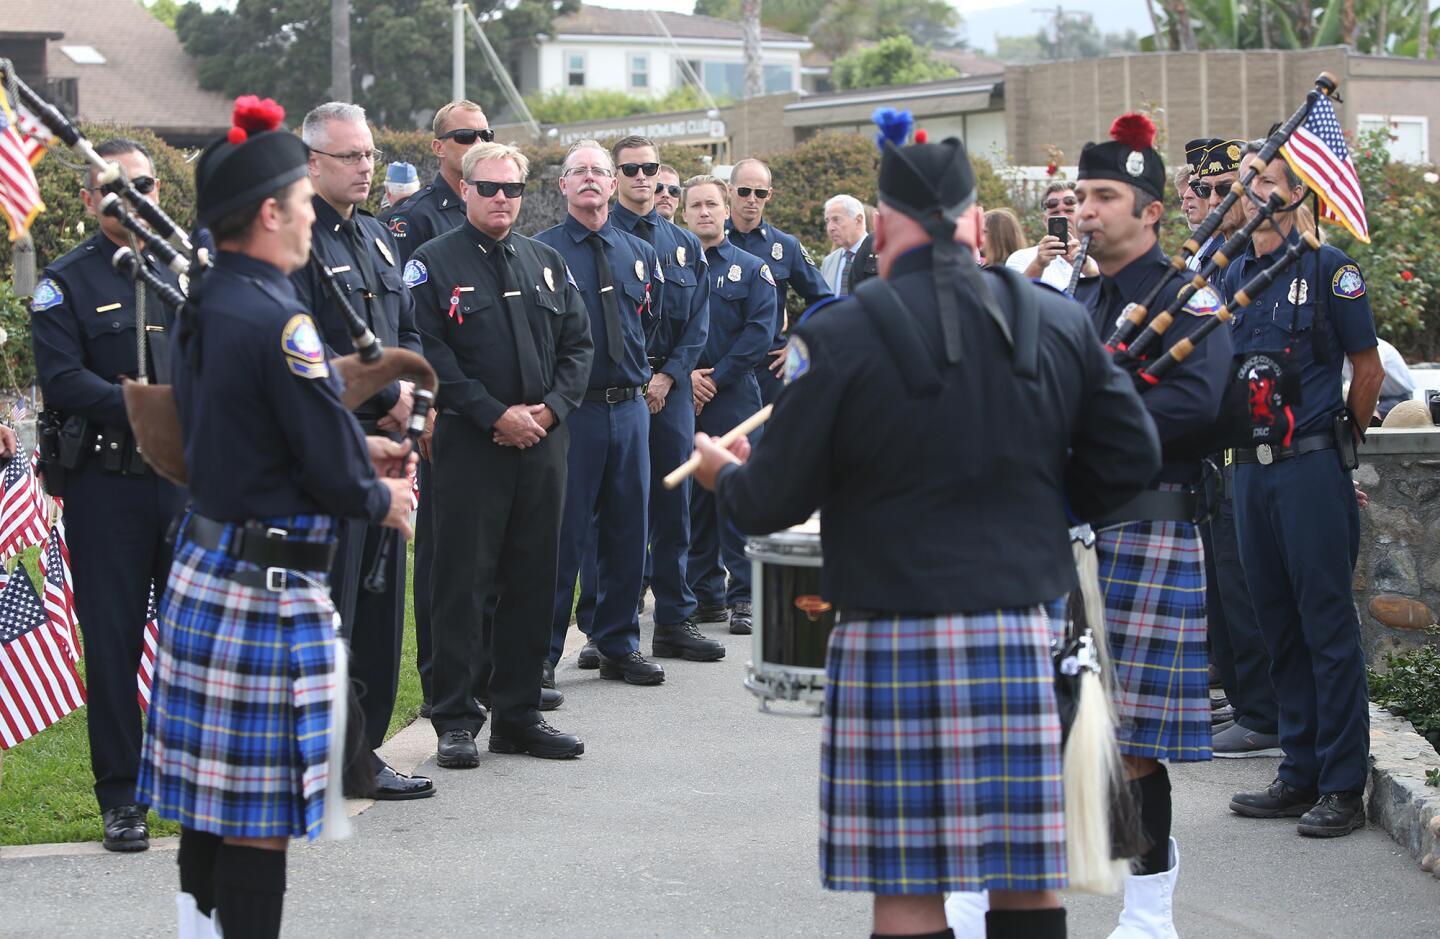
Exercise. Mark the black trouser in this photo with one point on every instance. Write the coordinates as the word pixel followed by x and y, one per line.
pixel 1216 629
pixel 420 579
pixel 116 528
pixel 373 623
pixel 498 534
pixel 1241 657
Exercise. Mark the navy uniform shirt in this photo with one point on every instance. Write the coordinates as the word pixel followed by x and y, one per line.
pixel 473 343
pixel 1324 290
pixel 82 329
pixel 791 267
pixel 429 213
pixel 679 337
pixel 371 282
pixel 742 311
pixel 638 284
pixel 1187 399
pixel 952 501
pixel 265 433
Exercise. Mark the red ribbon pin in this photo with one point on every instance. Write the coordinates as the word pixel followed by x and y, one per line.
pixel 455 313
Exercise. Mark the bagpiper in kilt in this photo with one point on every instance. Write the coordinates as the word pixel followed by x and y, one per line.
pixel 940 420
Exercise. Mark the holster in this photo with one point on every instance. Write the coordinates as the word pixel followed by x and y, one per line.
pixel 75 437
pixel 1343 428
pixel 47 438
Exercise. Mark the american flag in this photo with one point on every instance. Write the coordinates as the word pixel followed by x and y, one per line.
pixel 38 682
pixel 24 519
pixel 1318 155
pixel 148 652
pixel 60 590
pixel 19 192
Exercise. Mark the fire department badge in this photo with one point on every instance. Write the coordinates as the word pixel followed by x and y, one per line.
pixel 1299 291
pixel 550 280
pixel 777 251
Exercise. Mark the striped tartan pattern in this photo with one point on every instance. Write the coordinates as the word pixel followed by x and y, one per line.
pixel 1153 577
pixel 940 756
pixel 239 729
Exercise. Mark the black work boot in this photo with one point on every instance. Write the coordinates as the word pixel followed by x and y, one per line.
pixel 125 828
pixel 589 657
pixel 1335 815
pixel 712 613
pixel 685 641
pixel 1277 800
pixel 740 618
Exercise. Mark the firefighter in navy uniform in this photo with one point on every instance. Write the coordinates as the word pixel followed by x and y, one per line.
pixel 940 420
pixel 789 262
pixel 1296 515
pixel 117 510
pixel 360 253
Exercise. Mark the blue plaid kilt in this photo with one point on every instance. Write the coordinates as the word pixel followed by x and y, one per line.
pixel 940 756
pixel 1153 578
pixel 239 729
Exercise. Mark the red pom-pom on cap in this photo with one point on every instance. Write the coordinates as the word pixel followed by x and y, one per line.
pixel 237 136
pixel 1134 130
pixel 254 115
pixel 921 136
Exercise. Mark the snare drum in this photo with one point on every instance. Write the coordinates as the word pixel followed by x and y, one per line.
pixel 792 621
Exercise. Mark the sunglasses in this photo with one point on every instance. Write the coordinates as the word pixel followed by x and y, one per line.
pixel 673 190
pixel 1202 190
pixel 744 192
pixel 630 169
pixel 1053 204
pixel 143 185
pixel 488 189
pixel 465 136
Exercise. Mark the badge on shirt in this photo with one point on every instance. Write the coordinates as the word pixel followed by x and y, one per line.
pixel 680 255
pixel 734 274
pixel 185 284
pixel 304 355
pixel 389 258
pixel 797 359
pixel 1299 291
pixel 415 273
pixel 47 294
pixel 1203 302
pixel 766 275
pixel 777 251
pixel 550 280
pixel 399 227
pixel 639 270
pixel 1348 283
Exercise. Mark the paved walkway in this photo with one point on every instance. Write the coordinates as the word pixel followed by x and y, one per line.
pixel 691 814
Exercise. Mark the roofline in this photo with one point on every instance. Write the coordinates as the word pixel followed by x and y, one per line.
pixel 880 95
pixel 32 33
pixel 608 39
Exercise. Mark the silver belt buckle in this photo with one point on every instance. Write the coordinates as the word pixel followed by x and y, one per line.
pixel 275 579
pixel 1264 455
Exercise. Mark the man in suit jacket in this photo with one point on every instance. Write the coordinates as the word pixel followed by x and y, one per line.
pixel 853 258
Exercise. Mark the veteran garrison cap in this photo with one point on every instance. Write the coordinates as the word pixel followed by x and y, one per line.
pixel 1195 150
pixel 1128 156
pixel 1222 157
pixel 249 163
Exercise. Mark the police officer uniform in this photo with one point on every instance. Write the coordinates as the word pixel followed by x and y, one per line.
pixel 363 258
pixel 792 268
pixel 742 311
pixel 426 215
pixel 502 326
pixel 607 486
pixel 978 421
pixel 117 510
pixel 1298 527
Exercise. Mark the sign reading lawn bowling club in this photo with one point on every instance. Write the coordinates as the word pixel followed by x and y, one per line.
pixel 690 128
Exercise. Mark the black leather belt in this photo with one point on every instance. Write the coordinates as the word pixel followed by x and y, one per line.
pixel 1265 454
pixel 262 546
pixel 1157 505
pixel 615 395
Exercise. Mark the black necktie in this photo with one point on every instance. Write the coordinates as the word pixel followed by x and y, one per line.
pixel 845 271
pixel 608 300
pixel 645 231
pixel 364 269
pixel 532 386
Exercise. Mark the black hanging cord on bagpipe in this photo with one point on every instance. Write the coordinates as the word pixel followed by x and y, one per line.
pixel 1079 263
pixel 162 249
pixel 129 264
pixel 1135 315
pixel 376 579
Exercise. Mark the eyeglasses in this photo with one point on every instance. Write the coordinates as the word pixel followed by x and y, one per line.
pixel 350 159
pixel 465 136
pixel 663 187
pixel 630 169
pixel 600 171
pixel 744 193
pixel 1053 204
pixel 487 189
pixel 1202 190
pixel 143 185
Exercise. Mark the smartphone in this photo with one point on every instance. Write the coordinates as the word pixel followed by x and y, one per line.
pixel 1058 226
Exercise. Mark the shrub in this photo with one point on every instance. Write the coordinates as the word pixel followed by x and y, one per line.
pixel 565 106
pixel 1410 687
pixel 18 370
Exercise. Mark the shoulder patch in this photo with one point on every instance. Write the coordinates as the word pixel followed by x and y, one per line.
pixel 1346 283
pixel 659 274
pixel 304 354
pixel 47 294
pixel 766 275
pixel 805 253
pixel 1203 302
pixel 398 226
pixel 797 359
pixel 415 273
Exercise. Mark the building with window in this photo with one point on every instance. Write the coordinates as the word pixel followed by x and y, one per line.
pixel 640 52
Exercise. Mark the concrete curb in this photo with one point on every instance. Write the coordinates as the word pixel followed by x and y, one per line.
pixel 1398 798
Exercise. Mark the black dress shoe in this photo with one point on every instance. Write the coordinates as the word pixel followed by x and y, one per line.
pixel 550 699
pixel 1277 800
pixel 684 640
pixel 712 613
pixel 634 668
pixel 547 674
pixel 391 786
pixel 740 618
pixel 1336 814
pixel 589 657
pixel 425 710
pixel 125 828
pixel 457 750
pixel 537 739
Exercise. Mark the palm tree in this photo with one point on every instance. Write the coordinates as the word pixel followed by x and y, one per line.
pixel 340 89
pixel 754 73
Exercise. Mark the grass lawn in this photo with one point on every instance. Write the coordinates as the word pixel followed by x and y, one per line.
pixel 46 790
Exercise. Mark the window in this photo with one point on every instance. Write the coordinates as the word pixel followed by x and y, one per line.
pixel 575 70
pixel 727 79
pixel 1409 135
pixel 640 71
pixel 83 55
pixel 687 71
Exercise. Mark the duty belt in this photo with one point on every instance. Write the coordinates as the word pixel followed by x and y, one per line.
pixel 261 545
pixel 615 395
pixel 1266 453
pixel 1158 505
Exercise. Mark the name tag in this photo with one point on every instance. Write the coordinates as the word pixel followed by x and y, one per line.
pixel 340 270
pixel 107 308
pixel 154 329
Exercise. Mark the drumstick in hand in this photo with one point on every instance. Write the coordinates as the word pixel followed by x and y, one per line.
pixel 683 471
